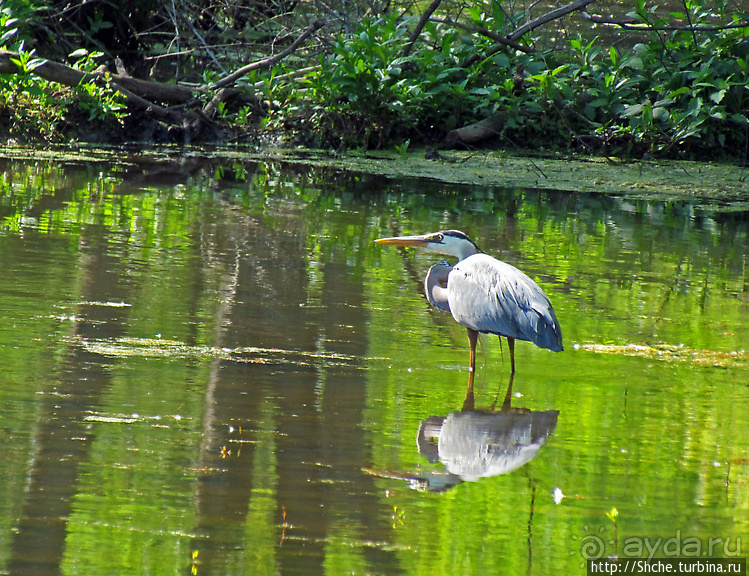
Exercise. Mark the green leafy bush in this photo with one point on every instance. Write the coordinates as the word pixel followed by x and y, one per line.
pixel 372 94
pixel 677 89
pixel 34 108
pixel 97 98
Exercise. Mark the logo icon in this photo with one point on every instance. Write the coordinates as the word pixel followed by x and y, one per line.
pixel 590 545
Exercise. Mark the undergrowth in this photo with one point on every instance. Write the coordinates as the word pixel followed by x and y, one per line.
pixel 679 90
pixel 676 93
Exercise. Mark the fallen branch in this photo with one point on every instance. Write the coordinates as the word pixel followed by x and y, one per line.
pixel 68 76
pixel 493 125
pixel 476 132
pixel 143 94
pixel 139 103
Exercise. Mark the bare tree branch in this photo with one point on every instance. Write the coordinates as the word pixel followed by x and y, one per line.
pixel 268 62
pixel 420 26
pixel 206 47
pixel 633 24
pixel 484 32
pixel 510 39
pixel 548 17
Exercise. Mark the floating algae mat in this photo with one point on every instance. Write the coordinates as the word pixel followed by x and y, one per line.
pixel 670 352
pixel 725 183
pixel 158 348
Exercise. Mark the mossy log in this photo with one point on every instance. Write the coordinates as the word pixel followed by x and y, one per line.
pixel 129 86
pixel 476 132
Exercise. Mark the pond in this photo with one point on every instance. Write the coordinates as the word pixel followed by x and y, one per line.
pixel 209 367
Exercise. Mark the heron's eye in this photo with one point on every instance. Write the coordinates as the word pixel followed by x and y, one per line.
pixel 438 237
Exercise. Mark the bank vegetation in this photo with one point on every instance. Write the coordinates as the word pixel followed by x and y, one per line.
pixel 631 78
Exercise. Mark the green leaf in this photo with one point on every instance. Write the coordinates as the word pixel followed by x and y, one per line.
pixel 502 60
pixel 480 91
pixel 35 63
pixel 663 103
pixel 718 96
pixel 8 34
pixel 661 114
pixel 635 63
pixel 633 110
pixel 613 55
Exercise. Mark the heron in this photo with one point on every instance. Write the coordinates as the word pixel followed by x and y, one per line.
pixel 484 294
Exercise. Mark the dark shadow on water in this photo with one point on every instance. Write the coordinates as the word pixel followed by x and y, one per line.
pixel 63 439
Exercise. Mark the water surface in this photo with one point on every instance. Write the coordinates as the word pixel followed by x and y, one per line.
pixel 210 368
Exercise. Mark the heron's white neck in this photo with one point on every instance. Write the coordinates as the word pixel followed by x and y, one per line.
pixel 435 286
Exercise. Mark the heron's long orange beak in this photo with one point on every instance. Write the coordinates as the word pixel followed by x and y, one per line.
pixel 405 240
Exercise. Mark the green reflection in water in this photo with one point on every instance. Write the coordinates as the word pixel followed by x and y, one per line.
pixel 209 367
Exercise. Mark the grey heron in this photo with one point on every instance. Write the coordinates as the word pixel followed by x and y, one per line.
pixel 484 294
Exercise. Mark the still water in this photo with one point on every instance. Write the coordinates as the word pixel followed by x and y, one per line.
pixel 208 367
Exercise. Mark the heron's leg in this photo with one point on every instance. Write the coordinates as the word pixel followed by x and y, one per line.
pixel 507 404
pixel 473 337
pixel 511 346
pixel 469 402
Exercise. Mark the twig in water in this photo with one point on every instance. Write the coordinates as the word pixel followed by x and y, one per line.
pixel 537 168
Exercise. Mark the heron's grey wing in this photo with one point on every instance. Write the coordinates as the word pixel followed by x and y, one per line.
pixel 488 295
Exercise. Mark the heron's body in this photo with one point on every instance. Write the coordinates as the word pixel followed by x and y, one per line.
pixel 485 294
pixel 493 297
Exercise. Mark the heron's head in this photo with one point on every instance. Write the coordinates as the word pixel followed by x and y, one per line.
pixel 450 242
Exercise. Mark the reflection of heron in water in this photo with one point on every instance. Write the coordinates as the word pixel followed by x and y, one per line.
pixel 476 443
pixel 485 294
pixel 473 444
